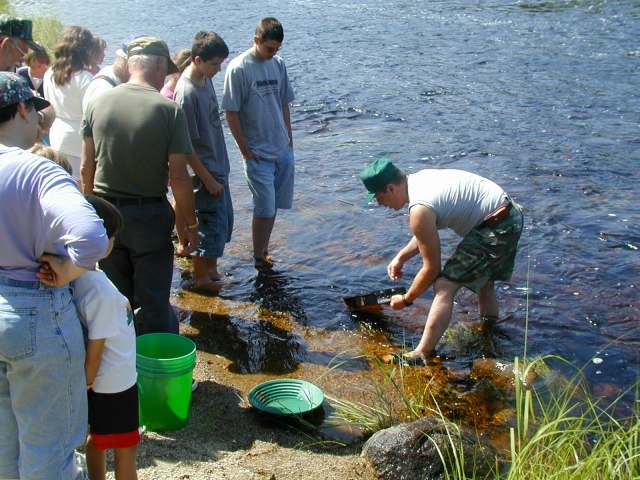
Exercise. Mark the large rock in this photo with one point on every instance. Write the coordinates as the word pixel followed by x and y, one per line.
pixel 409 451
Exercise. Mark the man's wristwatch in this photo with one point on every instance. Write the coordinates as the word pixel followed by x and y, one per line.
pixel 405 301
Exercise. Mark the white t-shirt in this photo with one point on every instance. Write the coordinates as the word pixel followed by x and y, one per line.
pixel 99 85
pixel 106 313
pixel 459 199
pixel 66 100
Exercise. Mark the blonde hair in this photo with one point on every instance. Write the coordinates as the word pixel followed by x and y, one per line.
pixel 53 155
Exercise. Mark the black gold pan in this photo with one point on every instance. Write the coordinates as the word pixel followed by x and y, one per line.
pixel 368 300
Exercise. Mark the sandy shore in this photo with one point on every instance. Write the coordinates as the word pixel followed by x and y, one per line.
pixel 226 439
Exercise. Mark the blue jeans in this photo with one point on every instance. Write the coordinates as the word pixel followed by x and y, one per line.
pixel 43 399
pixel 141 262
pixel 215 217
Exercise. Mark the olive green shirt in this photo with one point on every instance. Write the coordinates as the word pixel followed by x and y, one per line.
pixel 134 130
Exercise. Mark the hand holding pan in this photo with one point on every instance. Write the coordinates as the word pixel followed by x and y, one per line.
pixel 372 301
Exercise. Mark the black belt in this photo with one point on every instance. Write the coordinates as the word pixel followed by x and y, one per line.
pixel 133 200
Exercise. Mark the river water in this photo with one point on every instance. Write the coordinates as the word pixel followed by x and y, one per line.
pixel 541 97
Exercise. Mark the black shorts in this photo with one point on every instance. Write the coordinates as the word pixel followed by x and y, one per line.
pixel 113 418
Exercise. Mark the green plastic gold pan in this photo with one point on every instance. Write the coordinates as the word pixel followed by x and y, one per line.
pixel 286 396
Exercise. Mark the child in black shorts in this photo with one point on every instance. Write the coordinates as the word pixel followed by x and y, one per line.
pixel 110 363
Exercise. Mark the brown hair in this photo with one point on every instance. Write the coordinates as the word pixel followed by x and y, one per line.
pixel 111 217
pixel 53 155
pixel 270 28
pixel 208 45
pixel 99 46
pixel 37 55
pixel 182 59
pixel 72 54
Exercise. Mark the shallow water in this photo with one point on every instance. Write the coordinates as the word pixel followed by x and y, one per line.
pixel 541 97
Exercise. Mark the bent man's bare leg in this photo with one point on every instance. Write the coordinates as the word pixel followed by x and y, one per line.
pixel 488 301
pixel 438 317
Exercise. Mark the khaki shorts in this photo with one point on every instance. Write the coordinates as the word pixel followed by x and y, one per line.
pixel 486 253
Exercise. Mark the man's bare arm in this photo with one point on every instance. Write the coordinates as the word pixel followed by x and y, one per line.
pixel 183 195
pixel 234 125
pixel 410 250
pixel 286 114
pixel 210 183
pixel 423 225
pixel 87 165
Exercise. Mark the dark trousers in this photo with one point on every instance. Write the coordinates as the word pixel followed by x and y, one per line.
pixel 141 263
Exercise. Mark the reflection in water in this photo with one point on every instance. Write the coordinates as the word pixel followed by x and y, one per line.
pixel 273 292
pixel 254 346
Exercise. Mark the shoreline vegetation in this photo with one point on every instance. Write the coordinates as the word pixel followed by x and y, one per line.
pixel 558 430
pixel 46 29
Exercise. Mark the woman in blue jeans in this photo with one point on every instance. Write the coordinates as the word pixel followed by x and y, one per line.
pixel 43 411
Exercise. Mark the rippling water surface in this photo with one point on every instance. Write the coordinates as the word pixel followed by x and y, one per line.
pixel 541 97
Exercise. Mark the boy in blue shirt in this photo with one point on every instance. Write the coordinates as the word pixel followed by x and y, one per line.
pixel 194 92
pixel 256 99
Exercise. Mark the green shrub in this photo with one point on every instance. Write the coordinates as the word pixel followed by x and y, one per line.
pixel 46 29
pixel 47 32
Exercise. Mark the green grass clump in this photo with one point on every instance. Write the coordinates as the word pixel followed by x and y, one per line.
pixel 566 434
pixel 47 32
pixel 5 7
pixel 395 400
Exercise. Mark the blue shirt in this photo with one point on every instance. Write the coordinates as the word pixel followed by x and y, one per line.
pixel 42 211
pixel 258 90
pixel 200 106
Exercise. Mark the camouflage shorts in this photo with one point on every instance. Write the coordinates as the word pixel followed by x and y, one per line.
pixel 486 253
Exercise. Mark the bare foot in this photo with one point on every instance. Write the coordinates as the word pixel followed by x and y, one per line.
pixel 415 357
pixel 265 263
pixel 208 286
